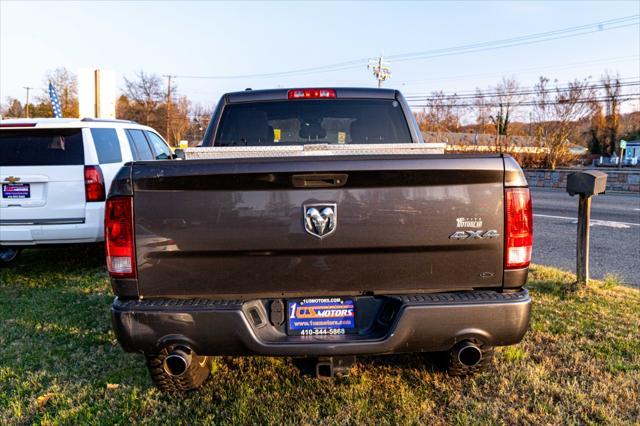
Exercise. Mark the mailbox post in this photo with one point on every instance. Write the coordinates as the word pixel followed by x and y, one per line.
pixel 586 184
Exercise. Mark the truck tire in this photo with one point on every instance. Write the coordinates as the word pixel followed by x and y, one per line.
pixel 457 368
pixel 193 378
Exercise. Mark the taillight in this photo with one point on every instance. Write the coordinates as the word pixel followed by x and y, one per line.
pixel 518 228
pixel 93 183
pixel 311 93
pixel 119 238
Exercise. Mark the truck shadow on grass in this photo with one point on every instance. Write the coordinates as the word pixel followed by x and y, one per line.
pixel 56 302
pixel 435 362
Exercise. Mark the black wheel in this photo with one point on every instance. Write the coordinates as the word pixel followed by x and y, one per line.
pixel 8 254
pixel 468 358
pixel 198 371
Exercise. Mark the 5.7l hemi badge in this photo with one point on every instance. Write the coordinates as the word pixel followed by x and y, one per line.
pixel 322 316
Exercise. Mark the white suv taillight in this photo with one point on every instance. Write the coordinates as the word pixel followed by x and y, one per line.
pixel 93 183
pixel 518 228
pixel 119 237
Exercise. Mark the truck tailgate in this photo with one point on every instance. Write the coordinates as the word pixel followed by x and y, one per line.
pixel 236 228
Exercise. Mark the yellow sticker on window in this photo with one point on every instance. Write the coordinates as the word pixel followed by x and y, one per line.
pixel 342 137
pixel 276 135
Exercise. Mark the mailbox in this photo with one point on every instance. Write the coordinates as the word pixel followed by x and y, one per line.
pixel 588 183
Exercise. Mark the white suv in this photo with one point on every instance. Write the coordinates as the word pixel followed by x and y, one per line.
pixel 56 172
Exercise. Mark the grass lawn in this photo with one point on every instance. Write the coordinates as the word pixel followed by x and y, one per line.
pixel 60 363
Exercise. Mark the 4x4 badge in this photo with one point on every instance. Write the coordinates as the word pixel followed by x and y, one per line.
pixel 474 235
pixel 320 220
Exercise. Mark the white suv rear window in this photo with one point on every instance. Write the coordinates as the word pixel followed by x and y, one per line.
pixel 41 147
pixel 107 145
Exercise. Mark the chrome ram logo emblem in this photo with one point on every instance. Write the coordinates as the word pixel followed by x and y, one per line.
pixel 320 220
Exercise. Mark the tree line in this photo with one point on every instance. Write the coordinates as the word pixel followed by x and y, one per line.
pixel 144 99
pixel 555 116
pixel 66 84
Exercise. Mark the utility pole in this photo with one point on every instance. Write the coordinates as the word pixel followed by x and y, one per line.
pixel 381 69
pixel 168 104
pixel 26 105
pixel 96 89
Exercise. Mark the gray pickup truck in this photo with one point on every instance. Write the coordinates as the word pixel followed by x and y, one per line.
pixel 316 224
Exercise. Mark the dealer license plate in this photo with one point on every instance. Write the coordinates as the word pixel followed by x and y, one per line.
pixel 321 316
pixel 16 190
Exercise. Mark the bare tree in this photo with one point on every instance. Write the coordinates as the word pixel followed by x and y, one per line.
pixel 179 124
pixel 441 113
pixel 556 112
pixel 504 104
pixel 145 94
pixel 596 136
pixel 200 117
pixel 13 109
pixel 481 109
pixel 66 84
pixel 613 91
pixel 630 125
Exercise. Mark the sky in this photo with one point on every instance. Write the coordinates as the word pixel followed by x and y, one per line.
pixel 203 38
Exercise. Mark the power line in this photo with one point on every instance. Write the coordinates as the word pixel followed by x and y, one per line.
pixel 624 98
pixel 520 92
pixel 610 24
pixel 412 96
pixel 461 52
pixel 521 70
pixel 600 26
pixel 334 67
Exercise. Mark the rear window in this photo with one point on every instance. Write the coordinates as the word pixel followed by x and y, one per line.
pixel 339 121
pixel 41 147
pixel 107 145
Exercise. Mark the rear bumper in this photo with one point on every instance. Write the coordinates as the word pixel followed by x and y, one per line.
pixel 422 323
pixel 55 231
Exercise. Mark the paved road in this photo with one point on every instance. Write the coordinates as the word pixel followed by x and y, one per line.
pixel 615 233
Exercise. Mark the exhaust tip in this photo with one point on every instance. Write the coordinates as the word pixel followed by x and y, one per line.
pixel 469 354
pixel 177 362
